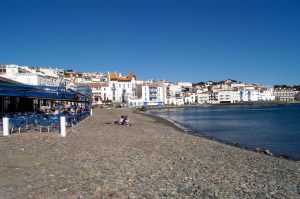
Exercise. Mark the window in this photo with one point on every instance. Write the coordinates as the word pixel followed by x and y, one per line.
pixel 2 70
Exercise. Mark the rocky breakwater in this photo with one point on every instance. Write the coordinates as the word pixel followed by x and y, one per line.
pixel 150 159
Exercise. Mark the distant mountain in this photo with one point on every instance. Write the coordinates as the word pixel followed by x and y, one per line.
pixel 227 81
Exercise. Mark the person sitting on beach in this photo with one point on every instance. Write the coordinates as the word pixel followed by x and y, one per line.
pixel 120 120
pixel 125 121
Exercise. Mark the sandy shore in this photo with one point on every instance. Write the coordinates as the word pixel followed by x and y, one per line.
pixel 150 159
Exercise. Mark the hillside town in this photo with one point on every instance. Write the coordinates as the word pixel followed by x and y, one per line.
pixel 128 90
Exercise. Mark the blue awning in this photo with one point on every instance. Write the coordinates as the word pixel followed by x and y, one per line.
pixel 40 92
pixel 11 92
pixel 50 95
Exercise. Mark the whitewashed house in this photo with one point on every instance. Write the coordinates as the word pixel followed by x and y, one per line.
pixel 147 95
pixel 235 96
pixel 213 97
pixel 190 98
pixel 26 75
pixel 122 87
pixel 153 95
pixel 286 94
pixel 225 97
pixel 56 75
pixel 203 98
pixel 177 101
pixel 173 94
pixel 135 102
pixel 100 92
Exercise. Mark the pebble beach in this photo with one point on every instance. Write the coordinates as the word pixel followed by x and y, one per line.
pixel 150 159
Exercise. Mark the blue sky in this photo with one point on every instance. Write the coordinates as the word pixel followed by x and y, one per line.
pixel 249 40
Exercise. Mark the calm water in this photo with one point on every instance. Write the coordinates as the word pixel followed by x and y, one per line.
pixel 276 128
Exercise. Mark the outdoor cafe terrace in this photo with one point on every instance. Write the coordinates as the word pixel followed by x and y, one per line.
pixel 29 108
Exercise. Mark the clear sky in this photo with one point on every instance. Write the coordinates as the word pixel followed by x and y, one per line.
pixel 256 41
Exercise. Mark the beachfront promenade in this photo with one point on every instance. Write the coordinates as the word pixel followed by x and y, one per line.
pixel 150 159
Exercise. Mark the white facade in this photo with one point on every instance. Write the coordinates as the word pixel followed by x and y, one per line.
pixel 29 76
pixel 251 95
pixel 177 101
pixel 190 99
pixel 225 96
pixel 153 95
pixel 147 95
pixel 202 98
pixel 173 94
pixel 221 87
pixel 56 75
pixel 235 96
pixel 135 102
pixel 213 97
pixel 100 92
pixel 286 94
pixel 185 84
pixel 122 87
pixel 201 90
pixel 238 85
pixel 267 95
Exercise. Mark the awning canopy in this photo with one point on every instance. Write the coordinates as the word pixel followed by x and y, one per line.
pixel 41 92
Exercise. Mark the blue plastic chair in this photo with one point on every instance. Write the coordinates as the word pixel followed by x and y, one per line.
pixel 44 124
pixel 17 123
pixel 54 122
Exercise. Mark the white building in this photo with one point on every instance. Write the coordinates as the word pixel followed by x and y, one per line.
pixel 177 101
pixel 190 98
pixel 30 76
pixel 153 95
pixel 202 98
pixel 267 94
pixel 185 84
pixel 148 95
pixel 237 85
pixel 56 73
pixel 254 95
pixel 122 87
pixel 173 94
pixel 213 97
pixel 100 92
pixel 135 102
pixel 225 97
pixel 286 94
pixel 235 96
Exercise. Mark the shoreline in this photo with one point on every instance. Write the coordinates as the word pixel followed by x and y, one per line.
pixel 217 105
pixel 237 145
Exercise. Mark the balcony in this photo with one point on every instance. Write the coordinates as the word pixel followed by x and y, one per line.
pixel 154 90
pixel 153 95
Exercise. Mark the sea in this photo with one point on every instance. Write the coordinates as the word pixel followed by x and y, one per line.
pixel 275 128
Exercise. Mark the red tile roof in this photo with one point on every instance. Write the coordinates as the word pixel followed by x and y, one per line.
pixel 115 76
